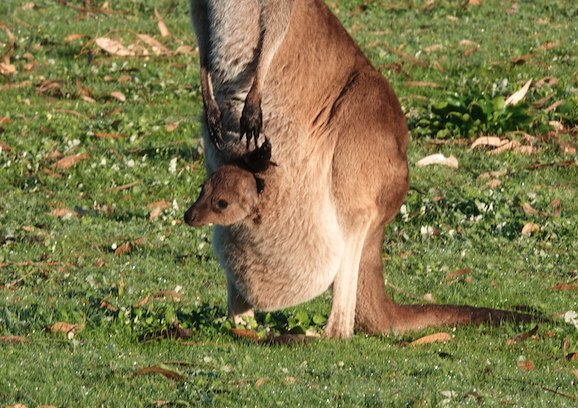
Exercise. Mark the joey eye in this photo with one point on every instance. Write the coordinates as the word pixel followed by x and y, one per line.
pixel 222 204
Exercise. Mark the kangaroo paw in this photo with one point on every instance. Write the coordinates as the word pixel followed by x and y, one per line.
pixel 214 124
pixel 251 121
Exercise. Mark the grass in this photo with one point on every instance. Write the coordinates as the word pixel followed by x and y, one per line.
pixel 70 268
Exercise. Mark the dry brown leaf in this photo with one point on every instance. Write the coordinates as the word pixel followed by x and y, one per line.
pixel 13 339
pixel 113 47
pixel 156 46
pixel 260 382
pixel 438 158
pixel 474 2
pixel 168 294
pixel 509 145
pixel 72 37
pixel 17 406
pixel 554 106
pixel 109 135
pixel 550 45
pixel 522 336
pixel 428 297
pixel 69 161
pixel 518 95
pixel 423 84
pixel 4 147
pixel 46 406
pixel 28 6
pixel 245 333
pixel 563 287
pixel 575 373
pixel 523 149
pixel 88 99
pixel 493 183
pixel 523 58
pixel 7 69
pixel 550 80
pixel 118 95
pixel 171 375
pixel 487 141
pixel 469 52
pixel 529 228
pixel 155 213
pixel 555 203
pixel 468 43
pixel 124 78
pixel 54 155
pixel 452 18
pixel 433 47
pixel 527 366
pixel 61 212
pixel 5 120
pixel 143 302
pixel 457 273
pixel 63 327
pixel 108 78
pixel 290 380
pixel 123 249
pixel 529 210
pixel 162 27
pixel 47 86
pixel 172 126
pixel 432 338
pixel 162 204
pixel 186 49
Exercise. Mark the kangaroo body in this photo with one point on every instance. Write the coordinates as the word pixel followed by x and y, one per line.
pixel 289 69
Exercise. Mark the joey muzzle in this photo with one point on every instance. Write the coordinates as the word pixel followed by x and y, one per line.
pixel 190 216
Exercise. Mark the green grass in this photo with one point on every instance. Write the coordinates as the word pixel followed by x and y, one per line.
pixel 61 269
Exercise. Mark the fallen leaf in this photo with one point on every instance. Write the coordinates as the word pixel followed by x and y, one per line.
pixel 529 228
pixel 156 46
pixel 17 406
pixel 518 95
pixel 168 294
pixel 118 95
pixel 62 327
pixel 72 37
pixel 428 297
pixel 109 135
pixel 143 302
pixel 423 84
pixel 554 106
pixel 155 213
pixel 468 43
pixel 124 78
pixel 550 45
pixel 172 126
pixel 527 366
pixel 474 2
pixel 54 155
pixel 5 148
pixel 123 249
pixel 171 375
pixel 290 380
pixel 113 47
pixel 564 287
pixel 162 27
pixel 522 336
pixel 69 161
pixel 13 339
pixel 493 141
pixel 28 229
pixel 523 58
pixel 457 273
pixel 262 381
pixel 7 69
pixel 432 338
pixel 28 6
pixel 438 158
pixel 245 333
pixel 46 406
pixel 123 187
pixel 509 145
pixel 433 47
pixel 163 205
pixel 493 183
pixel 61 212
pixel 550 80
pixel 186 49
pixel 529 210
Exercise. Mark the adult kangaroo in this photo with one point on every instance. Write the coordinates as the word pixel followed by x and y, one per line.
pixel 289 69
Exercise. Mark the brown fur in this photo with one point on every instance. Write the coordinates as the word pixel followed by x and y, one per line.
pixel 290 70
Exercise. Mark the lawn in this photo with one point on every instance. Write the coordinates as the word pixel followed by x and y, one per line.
pixel 109 299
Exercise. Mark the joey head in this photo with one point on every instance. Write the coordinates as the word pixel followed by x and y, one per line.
pixel 228 196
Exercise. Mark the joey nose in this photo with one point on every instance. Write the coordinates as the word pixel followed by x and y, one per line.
pixel 190 216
